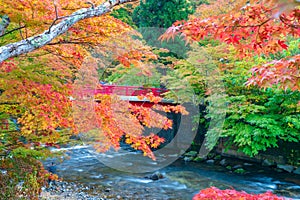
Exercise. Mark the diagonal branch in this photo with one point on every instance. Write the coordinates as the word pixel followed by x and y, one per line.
pixel 38 41
pixel 9 32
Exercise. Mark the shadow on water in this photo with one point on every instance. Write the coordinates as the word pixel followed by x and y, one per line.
pixel 180 180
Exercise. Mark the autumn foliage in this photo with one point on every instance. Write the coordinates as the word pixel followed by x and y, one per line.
pixel 214 193
pixel 37 88
pixel 284 71
pixel 255 29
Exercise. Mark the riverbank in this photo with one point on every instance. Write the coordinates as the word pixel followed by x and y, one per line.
pixel 65 190
pixel 77 191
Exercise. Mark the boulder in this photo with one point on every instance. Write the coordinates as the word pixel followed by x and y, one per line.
pixel 237 166
pixel 210 162
pixel 288 168
pixel 297 171
pixel 248 164
pixel 267 163
pixel 155 176
pixel 223 162
pixel 188 159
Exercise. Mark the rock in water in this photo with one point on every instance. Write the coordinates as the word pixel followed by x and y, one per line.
pixel 52 169
pixel 155 176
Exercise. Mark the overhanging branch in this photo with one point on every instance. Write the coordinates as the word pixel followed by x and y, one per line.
pixel 38 41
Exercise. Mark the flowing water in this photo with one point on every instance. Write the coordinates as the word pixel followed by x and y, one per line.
pixel 181 180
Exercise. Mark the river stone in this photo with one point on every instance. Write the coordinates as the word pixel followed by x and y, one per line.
pixel 288 168
pixel 278 170
pixel 223 162
pixel 210 162
pixel 297 171
pixel 248 164
pixel 155 176
pixel 187 159
pixel 267 163
pixel 237 166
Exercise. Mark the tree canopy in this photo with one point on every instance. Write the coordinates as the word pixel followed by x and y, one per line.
pixel 258 28
pixel 161 14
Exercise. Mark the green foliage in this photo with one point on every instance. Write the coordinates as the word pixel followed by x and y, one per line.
pixel 255 123
pixel 293 157
pixel 154 16
pixel 177 46
pixel 191 82
pixel 258 119
pixel 125 15
pixel 22 152
pixel 161 14
pixel 200 2
pixel 134 77
pixel 240 171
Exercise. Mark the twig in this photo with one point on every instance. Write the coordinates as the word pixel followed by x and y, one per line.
pixel 56 11
pixel 21 32
pixel 93 5
pixel 15 29
pixel 56 16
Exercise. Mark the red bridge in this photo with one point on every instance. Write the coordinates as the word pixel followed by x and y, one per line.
pixel 130 93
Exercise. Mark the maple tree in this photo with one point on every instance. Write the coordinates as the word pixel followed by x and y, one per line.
pixel 260 28
pixel 45 46
pixel 36 87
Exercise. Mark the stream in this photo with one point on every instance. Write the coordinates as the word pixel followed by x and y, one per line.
pixel 181 180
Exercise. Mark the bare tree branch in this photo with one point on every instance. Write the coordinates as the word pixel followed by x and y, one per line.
pixel 38 41
pixel 15 29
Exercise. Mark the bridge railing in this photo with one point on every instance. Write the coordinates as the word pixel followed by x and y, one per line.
pixel 129 90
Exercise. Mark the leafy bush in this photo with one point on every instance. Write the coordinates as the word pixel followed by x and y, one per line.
pixel 22 178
